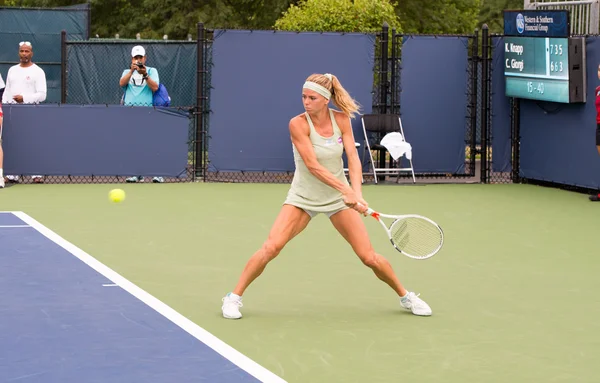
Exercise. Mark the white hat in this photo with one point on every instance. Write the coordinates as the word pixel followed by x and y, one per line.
pixel 138 50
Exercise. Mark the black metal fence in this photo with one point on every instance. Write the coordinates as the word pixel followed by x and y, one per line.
pixel 90 74
pixel 387 99
pixel 492 175
pixel 23 24
pixel 479 131
pixel 202 108
pixel 194 96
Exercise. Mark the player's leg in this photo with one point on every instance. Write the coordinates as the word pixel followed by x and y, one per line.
pixel 289 223
pixel 350 225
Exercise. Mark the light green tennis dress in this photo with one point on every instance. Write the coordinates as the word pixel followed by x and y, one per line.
pixel 307 191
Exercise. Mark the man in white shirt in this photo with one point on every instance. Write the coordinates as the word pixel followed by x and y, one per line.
pixel 25 84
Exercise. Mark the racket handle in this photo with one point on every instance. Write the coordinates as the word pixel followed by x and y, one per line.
pixel 369 210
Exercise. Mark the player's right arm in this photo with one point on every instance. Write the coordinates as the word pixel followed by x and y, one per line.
pixel 299 132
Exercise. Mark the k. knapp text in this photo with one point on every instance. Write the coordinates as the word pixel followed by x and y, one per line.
pixel 513 63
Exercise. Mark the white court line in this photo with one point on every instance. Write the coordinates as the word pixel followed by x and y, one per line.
pixel 231 354
pixel 10 226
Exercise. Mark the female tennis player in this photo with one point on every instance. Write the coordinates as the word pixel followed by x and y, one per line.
pixel 319 137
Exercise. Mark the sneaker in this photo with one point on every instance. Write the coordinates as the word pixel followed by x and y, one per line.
pixel 415 304
pixel 158 180
pixel 231 306
pixel 135 179
pixel 595 197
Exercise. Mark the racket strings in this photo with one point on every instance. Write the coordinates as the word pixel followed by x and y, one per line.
pixel 415 236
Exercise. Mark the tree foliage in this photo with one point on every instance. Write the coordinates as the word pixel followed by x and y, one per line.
pixel 491 13
pixel 438 17
pixel 175 18
pixel 338 16
pixel 178 18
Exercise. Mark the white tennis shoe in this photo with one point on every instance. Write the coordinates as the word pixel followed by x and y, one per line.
pixel 231 306
pixel 415 304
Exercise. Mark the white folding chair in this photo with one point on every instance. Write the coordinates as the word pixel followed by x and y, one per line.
pixel 375 128
pixel 357 145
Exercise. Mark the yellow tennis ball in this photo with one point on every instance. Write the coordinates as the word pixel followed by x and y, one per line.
pixel 116 195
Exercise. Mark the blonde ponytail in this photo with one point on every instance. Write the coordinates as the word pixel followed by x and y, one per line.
pixel 340 96
pixel 342 99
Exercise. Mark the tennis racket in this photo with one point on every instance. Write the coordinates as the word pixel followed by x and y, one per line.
pixel 413 235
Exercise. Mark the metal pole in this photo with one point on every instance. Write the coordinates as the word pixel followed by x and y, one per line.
pixel 383 75
pixel 199 110
pixel 594 23
pixel 516 139
pixel 484 103
pixel 474 87
pixel 63 67
pixel 383 82
pixel 89 19
pixel 393 79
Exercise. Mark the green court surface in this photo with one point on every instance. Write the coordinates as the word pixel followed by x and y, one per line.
pixel 514 291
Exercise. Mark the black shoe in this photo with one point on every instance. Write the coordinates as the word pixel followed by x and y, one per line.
pixel 595 197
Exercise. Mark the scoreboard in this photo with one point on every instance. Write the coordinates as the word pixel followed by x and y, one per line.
pixel 537 68
pixel 541 61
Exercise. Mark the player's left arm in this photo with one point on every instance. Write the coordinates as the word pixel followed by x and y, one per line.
pixel 354 165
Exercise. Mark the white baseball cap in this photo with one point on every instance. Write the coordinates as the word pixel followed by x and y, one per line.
pixel 138 50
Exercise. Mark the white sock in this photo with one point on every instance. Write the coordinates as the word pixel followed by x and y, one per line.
pixel 1 174
pixel 234 296
pixel 404 297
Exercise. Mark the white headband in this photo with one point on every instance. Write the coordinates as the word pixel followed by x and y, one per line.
pixel 317 88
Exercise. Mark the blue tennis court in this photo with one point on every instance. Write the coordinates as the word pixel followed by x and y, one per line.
pixel 66 317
